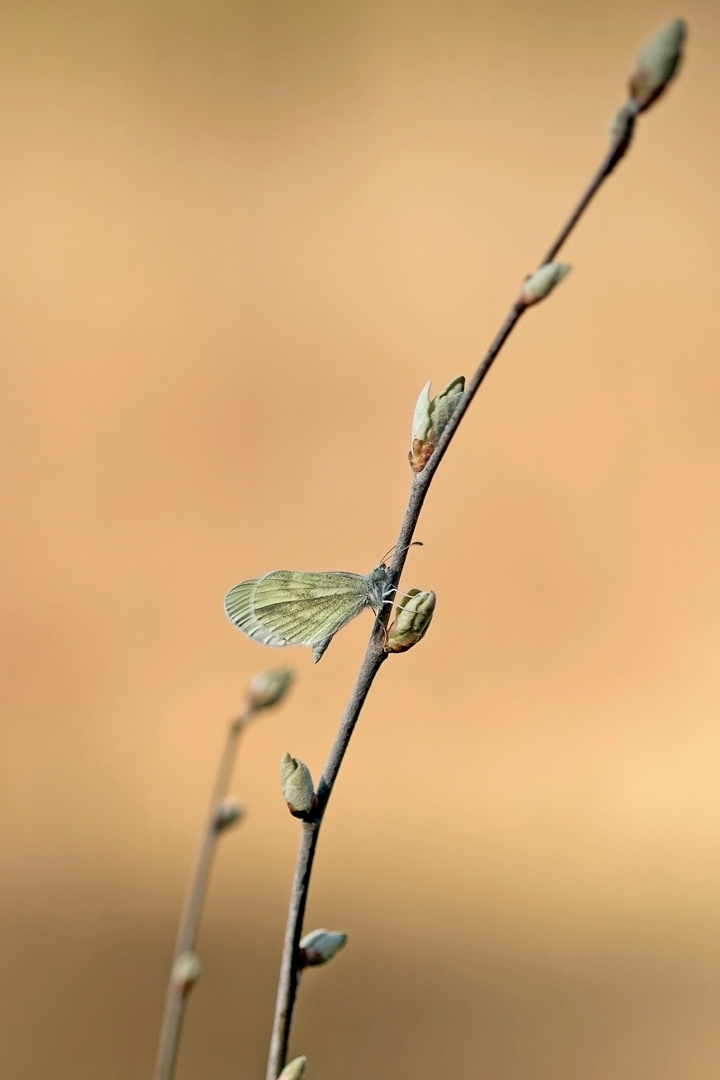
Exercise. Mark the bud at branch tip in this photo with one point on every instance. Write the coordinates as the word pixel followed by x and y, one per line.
pixel 657 63
pixel 269 687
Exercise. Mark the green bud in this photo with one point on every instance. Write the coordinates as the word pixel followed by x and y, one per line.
pixel 294 1070
pixel 269 687
pixel 297 785
pixel 622 125
pixel 228 812
pixel 186 971
pixel 319 946
pixel 657 63
pixel 540 284
pixel 412 618
pixel 430 420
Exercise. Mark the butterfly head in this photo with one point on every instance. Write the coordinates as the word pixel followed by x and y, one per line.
pixel 379 586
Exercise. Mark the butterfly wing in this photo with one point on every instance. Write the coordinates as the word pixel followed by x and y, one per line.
pixel 306 608
pixel 240 610
pixel 289 607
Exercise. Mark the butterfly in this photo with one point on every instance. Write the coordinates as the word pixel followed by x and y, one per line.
pixel 296 607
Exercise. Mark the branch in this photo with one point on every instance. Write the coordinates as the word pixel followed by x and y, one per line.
pixel 264 691
pixel 181 975
pixel 656 66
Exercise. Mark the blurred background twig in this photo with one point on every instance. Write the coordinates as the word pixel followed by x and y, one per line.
pixel 265 691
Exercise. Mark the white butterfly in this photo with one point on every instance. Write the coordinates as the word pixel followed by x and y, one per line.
pixel 295 607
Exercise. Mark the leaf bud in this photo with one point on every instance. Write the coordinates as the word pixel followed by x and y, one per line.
pixel 540 284
pixel 622 127
pixel 227 812
pixel 430 420
pixel 297 785
pixel 319 946
pixel 657 63
pixel 412 618
pixel 186 971
pixel 294 1070
pixel 269 687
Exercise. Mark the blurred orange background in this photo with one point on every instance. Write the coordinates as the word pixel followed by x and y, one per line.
pixel 237 240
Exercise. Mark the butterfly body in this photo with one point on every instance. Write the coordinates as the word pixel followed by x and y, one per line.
pixel 294 607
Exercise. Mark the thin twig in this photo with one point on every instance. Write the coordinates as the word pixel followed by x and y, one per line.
pixel 177 990
pixel 375 655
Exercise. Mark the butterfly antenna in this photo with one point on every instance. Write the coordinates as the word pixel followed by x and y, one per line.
pixel 415 543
